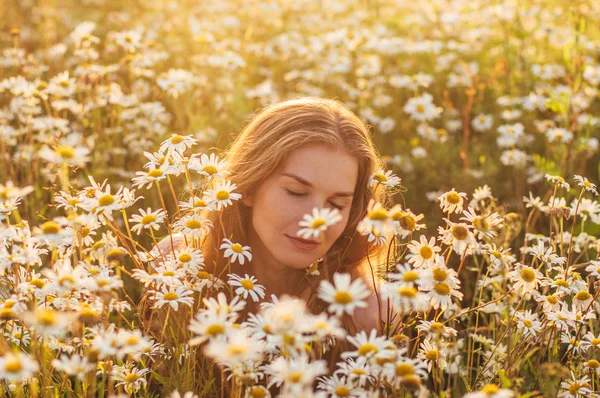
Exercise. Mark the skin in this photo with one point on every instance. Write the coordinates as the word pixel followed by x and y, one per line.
pixel 282 200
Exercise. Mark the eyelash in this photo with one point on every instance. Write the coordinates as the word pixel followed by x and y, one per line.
pixel 293 193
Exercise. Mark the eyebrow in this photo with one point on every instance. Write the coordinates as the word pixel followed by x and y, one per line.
pixel 308 184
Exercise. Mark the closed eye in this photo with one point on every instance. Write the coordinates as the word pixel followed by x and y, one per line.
pixel 294 193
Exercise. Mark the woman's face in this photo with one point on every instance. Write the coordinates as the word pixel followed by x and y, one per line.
pixel 314 175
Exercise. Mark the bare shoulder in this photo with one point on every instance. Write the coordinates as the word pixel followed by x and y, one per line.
pixel 171 243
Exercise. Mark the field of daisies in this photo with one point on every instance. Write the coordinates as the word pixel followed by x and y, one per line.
pixel 113 118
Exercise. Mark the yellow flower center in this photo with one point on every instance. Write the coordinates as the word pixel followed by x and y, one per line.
pixel 407 291
pixel 432 355
pixel 215 329
pixel 410 276
pixel 453 198
pixel 184 257
pixel 51 228
pixel 527 323
pixel 203 275
pixel 222 195
pixel 236 247
pixel 497 254
pixel 437 327
pixel 171 296
pixel 380 214
pixel 317 223
pixel 459 232
pixel 46 317
pixel 595 341
pixel 426 252
pixel 257 392
pixel 582 295
pixel 66 279
pixel 404 369
pixel 132 377
pixel 13 366
pixel 440 274
pixel 177 139
pixel 490 389
pixel 168 273
pixel 342 391
pixel 65 152
pixel 132 340
pixel 367 349
pixel 210 169
pixel 420 108
pixel 106 200
pixel 155 173
pixel 247 284
pixel 588 184
pixel 408 222
pixel 527 275
pixel 552 299
pixel 442 288
pixel 592 363
pixel 193 224
pixel 481 223
pixel 380 177
pixel 199 203
pixel 148 219
pixel 411 383
pixel 37 283
pixel 342 298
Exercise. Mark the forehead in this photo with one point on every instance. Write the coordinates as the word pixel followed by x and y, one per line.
pixel 323 166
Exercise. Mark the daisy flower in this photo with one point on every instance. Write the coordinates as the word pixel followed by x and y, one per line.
pixel 294 373
pixel 432 355
pixel 423 251
pixel 177 143
pixel 491 391
pixel 459 237
pixel 484 224
pixel 436 329
pixel 222 195
pixel 247 286
pixel 73 366
pixel 209 166
pixel 209 325
pixel 404 221
pixel 148 178
pixel 377 219
pixel 196 204
pixel 594 268
pixel 422 108
pixel 357 371
pixel 387 178
pixel 131 379
pixel 575 387
pixel 239 347
pixel 558 180
pixel 342 295
pixel 147 219
pixel 441 284
pixel 406 297
pixel 318 222
pixel 528 323
pixel 172 296
pixel 17 366
pixel 452 201
pixel 338 386
pixel 482 122
pixel 236 252
pixel 588 186
pixel 368 346
pixel 525 278
pixel 195 225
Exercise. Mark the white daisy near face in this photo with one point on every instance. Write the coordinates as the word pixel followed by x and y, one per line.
pixel 317 222
pixel 459 236
pixel 173 296
pixel 384 178
pixel 177 143
pixel 342 295
pixel 15 367
pixel 209 166
pixel 147 219
pixel 247 286
pixel 452 201
pixel 222 195
pixel 236 252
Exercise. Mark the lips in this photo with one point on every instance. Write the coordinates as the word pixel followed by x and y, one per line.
pixel 303 244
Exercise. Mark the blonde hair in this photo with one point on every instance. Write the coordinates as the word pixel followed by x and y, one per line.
pixel 262 148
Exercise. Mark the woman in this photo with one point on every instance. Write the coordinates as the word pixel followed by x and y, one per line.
pixel 292 157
